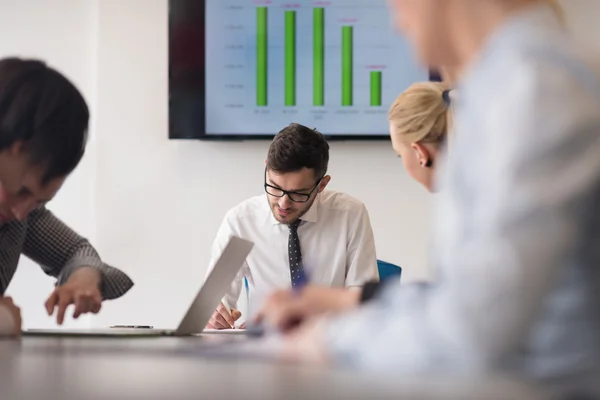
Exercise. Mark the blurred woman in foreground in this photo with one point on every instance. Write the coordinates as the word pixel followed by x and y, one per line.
pixel 518 223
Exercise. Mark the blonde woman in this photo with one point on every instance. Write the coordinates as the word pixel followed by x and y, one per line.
pixel 517 223
pixel 419 120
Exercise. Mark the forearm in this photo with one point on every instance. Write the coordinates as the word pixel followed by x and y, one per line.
pixel 406 331
pixel 113 282
pixel 60 251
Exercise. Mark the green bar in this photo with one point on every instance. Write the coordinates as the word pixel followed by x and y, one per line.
pixel 290 58
pixel 346 65
pixel 318 56
pixel 261 55
pixel 375 88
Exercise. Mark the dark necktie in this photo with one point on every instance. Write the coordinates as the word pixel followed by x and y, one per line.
pixel 295 255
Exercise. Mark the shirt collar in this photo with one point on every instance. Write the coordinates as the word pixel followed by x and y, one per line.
pixel 312 215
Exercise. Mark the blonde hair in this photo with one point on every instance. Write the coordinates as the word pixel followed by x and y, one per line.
pixel 420 114
pixel 554 5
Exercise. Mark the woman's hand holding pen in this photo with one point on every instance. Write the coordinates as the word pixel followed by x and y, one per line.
pixel 286 309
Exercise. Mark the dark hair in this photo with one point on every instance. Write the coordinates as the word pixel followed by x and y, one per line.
pixel 296 147
pixel 44 110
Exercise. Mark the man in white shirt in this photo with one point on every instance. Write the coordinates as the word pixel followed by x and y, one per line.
pixel 299 229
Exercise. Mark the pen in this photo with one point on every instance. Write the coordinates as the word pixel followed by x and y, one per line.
pixel 226 304
pixel 132 326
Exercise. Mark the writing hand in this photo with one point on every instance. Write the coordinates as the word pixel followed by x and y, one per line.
pixel 222 319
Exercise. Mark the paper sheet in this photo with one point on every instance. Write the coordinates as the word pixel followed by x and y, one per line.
pixel 228 331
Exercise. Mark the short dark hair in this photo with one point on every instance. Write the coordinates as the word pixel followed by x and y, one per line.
pixel 296 147
pixel 43 109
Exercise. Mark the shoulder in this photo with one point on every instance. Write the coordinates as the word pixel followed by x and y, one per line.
pixel 547 87
pixel 248 210
pixel 333 200
pixel 537 62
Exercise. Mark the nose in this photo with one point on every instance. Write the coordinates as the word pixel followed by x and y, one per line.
pixel 22 208
pixel 284 202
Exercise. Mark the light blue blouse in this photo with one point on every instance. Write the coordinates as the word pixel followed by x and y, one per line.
pixel 516 247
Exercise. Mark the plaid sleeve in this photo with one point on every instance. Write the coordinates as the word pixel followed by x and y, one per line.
pixel 60 251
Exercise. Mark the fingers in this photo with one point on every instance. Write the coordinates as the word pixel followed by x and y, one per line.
pixel 210 326
pixel 235 314
pixel 51 302
pixel 221 319
pixel 218 322
pixel 225 314
pixel 64 299
pixel 289 317
pixel 274 301
pixel 82 302
pixel 243 325
pixel 87 301
pixel 96 302
pixel 283 315
pixel 18 321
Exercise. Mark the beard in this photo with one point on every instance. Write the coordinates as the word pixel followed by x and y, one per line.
pixel 291 215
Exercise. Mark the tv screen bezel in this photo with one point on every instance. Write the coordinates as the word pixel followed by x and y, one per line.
pixel 202 135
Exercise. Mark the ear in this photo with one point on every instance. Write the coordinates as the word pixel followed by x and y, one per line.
pixel 16 149
pixel 422 153
pixel 324 182
pixel 265 161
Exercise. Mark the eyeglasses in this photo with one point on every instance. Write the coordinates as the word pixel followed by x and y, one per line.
pixel 293 196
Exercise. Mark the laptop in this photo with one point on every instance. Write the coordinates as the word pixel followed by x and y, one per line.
pixel 199 312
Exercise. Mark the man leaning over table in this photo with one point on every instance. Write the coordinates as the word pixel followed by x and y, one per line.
pixel 43 133
pixel 298 227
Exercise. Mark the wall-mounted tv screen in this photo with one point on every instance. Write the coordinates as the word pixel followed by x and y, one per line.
pixel 244 69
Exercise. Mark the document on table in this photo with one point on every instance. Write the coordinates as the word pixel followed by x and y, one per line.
pixel 227 331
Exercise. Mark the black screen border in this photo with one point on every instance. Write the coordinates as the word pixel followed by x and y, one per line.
pixel 202 135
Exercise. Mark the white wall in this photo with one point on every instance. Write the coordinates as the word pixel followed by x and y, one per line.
pixel 150 205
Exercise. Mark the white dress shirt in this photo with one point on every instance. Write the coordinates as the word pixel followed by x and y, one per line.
pixel 517 230
pixel 336 240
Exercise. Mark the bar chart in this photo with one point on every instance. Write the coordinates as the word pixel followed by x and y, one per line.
pixel 335 65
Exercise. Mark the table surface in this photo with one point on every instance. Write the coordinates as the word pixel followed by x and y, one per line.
pixel 176 368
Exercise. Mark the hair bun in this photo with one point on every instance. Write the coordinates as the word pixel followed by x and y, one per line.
pixel 446 97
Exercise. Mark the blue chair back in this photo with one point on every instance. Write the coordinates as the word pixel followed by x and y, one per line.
pixel 388 270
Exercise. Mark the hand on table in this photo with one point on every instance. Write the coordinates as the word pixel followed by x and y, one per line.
pixel 222 319
pixel 285 309
pixel 12 325
pixel 81 289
